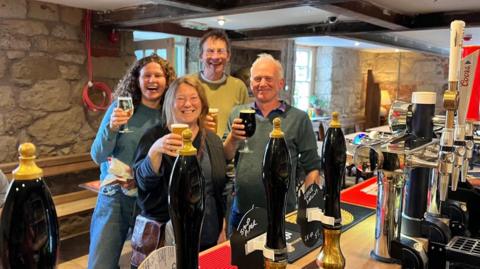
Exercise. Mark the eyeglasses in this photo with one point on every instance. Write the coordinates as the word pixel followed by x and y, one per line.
pixel 211 52
pixel 181 100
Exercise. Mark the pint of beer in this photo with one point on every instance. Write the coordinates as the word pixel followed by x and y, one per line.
pixel 177 128
pixel 213 112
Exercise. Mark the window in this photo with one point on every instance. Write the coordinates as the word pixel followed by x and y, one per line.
pixel 167 46
pixel 303 77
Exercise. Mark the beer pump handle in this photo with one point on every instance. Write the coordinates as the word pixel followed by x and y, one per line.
pixel 456 42
pixel 463 100
pixel 449 154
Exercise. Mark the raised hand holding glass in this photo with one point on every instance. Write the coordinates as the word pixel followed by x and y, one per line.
pixel 126 104
pixel 248 120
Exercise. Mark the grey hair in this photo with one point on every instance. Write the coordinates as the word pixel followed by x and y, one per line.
pixel 267 57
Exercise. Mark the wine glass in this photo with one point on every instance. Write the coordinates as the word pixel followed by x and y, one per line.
pixel 126 104
pixel 248 120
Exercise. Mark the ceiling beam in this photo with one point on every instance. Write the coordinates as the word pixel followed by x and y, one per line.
pixel 289 31
pixel 140 15
pixel 152 14
pixel 193 5
pixel 367 12
pixel 169 28
pixel 443 19
pixel 397 41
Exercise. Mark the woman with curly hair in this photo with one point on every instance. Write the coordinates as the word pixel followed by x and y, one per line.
pixel 146 82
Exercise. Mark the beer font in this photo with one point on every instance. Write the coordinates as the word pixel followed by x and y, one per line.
pixel 29 229
pixel 277 167
pixel 187 200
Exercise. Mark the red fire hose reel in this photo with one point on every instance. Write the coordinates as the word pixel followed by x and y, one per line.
pixel 91 85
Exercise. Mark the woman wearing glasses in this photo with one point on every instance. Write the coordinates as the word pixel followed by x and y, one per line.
pixel 185 102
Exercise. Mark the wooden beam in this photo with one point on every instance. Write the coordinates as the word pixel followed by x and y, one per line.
pixel 152 14
pixel 367 12
pixel 169 28
pixel 193 5
pixel 290 31
pixel 443 19
pixel 140 15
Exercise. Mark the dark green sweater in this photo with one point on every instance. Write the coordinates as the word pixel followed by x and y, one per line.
pixel 302 144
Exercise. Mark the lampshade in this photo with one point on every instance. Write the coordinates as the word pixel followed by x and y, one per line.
pixel 385 98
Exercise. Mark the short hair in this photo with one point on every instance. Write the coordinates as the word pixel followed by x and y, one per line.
pixel 169 102
pixel 215 35
pixel 267 57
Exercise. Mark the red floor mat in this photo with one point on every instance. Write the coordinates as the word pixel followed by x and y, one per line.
pixel 362 194
pixel 217 259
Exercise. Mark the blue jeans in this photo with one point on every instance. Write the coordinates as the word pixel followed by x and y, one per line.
pixel 109 228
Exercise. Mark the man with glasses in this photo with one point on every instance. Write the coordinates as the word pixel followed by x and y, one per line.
pixel 223 91
pixel 267 82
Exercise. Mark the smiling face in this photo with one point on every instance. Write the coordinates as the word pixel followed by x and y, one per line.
pixel 214 57
pixel 152 83
pixel 188 105
pixel 265 82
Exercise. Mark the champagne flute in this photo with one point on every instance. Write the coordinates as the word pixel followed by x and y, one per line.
pixel 126 104
pixel 248 120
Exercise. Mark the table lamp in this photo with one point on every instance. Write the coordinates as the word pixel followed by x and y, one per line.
pixel 385 102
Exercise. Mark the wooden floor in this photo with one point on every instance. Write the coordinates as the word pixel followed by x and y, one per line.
pixel 81 262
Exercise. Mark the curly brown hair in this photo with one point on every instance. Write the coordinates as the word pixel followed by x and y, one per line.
pixel 129 84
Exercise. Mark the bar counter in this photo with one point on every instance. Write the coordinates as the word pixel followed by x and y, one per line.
pixel 356 244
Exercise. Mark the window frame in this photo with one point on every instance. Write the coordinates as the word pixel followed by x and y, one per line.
pixel 311 74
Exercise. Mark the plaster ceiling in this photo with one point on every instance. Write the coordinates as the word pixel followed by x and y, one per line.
pixel 427 6
pixel 306 14
pixel 439 37
pixel 270 18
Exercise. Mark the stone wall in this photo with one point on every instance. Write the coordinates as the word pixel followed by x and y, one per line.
pixel 405 72
pixel 193 55
pixel 341 76
pixel 42 74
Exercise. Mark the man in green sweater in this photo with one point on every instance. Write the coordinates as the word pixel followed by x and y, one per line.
pixel 267 81
pixel 223 91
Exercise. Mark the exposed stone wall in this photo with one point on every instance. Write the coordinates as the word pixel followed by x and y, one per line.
pixel 42 74
pixel 405 72
pixel 193 53
pixel 348 93
pixel 341 76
